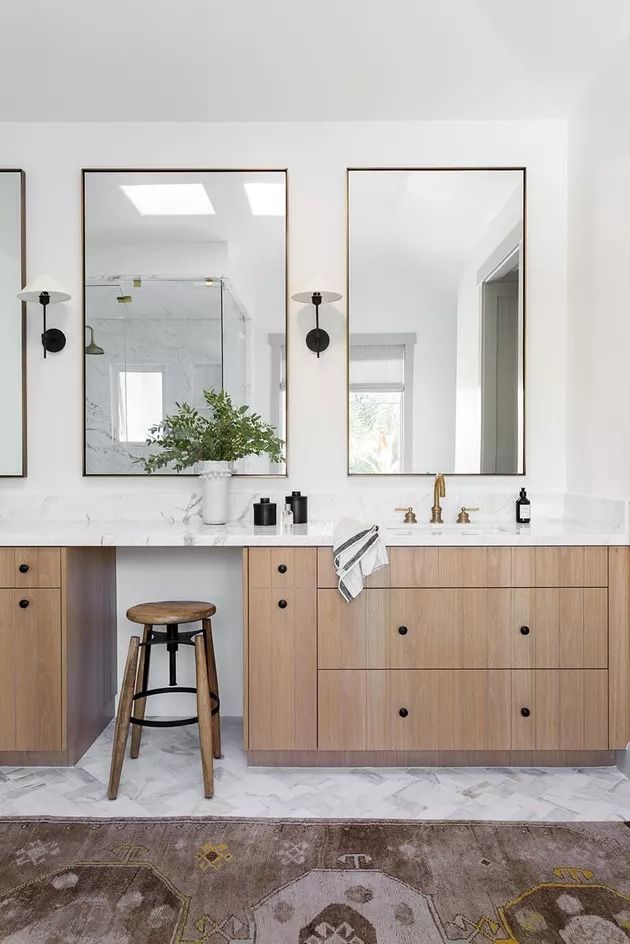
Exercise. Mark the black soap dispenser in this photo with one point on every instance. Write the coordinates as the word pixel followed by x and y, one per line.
pixel 523 508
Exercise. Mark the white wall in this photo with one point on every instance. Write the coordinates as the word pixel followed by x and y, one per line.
pixel 316 157
pixel 598 401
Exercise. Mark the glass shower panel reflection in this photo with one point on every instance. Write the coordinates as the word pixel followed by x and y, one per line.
pixel 161 342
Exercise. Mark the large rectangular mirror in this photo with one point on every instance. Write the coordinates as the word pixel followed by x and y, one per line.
pixel 12 353
pixel 436 315
pixel 185 291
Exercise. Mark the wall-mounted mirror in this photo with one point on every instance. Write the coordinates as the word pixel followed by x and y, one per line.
pixel 436 314
pixel 12 352
pixel 184 290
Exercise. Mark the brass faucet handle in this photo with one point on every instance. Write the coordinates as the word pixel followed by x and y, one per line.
pixel 463 517
pixel 410 515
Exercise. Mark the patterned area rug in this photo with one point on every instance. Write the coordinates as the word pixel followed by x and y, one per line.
pixel 214 881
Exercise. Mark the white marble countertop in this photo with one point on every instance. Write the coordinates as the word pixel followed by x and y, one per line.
pixel 165 532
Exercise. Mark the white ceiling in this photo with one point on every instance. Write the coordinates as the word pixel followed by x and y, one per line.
pixel 299 60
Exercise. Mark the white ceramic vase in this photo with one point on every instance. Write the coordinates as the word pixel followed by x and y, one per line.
pixel 215 490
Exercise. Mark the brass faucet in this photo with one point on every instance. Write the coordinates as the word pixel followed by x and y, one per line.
pixel 439 491
pixel 410 515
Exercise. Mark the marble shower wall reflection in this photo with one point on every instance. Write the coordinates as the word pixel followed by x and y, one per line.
pixel 184 291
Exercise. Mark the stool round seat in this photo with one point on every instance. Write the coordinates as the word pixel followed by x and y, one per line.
pixel 170 612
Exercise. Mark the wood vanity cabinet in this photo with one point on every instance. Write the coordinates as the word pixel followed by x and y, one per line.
pixel 456 655
pixel 58 645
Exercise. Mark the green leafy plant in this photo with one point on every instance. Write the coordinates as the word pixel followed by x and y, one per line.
pixel 226 434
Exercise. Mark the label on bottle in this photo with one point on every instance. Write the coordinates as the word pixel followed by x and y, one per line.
pixel 525 513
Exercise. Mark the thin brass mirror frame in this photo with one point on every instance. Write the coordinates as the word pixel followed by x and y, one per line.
pixel 371 475
pixel 22 230
pixel 187 170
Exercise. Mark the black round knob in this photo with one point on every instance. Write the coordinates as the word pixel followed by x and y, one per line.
pixel 23 604
pixel 23 568
pixel 524 630
pixel 282 568
pixel 525 712
pixel 282 604
pixel 403 712
pixel 403 630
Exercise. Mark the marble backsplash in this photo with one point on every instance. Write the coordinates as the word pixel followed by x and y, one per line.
pixel 496 505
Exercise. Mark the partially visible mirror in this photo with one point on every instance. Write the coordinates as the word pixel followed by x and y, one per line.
pixel 12 353
pixel 185 290
pixel 436 314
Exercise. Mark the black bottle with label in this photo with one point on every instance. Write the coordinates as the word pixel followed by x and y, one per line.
pixel 523 508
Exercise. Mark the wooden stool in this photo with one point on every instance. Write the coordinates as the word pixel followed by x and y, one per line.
pixel 135 687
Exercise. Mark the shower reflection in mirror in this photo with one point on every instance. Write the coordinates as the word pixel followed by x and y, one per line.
pixel 185 290
pixel 436 321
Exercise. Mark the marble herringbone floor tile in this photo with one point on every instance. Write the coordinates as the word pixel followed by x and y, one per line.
pixel 166 781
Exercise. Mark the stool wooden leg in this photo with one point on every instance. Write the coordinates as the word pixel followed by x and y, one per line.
pixel 142 683
pixel 204 716
pixel 123 715
pixel 213 680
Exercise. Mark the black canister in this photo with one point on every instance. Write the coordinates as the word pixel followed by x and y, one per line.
pixel 264 513
pixel 299 506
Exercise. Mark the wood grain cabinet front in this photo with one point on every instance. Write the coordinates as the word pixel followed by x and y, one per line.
pixel 506 652
pixel 463 710
pixel 282 649
pixel 484 567
pixel 58 645
pixel 464 629
pixel 30 673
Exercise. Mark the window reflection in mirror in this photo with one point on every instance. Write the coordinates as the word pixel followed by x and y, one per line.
pixel 185 290
pixel 12 367
pixel 436 321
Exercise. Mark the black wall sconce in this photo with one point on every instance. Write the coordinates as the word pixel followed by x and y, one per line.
pixel 46 291
pixel 317 340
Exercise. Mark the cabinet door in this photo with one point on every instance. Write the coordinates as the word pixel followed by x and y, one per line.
pixel 30 676
pixel 457 710
pixel 565 709
pixel 282 658
pixel 415 629
pixel 560 628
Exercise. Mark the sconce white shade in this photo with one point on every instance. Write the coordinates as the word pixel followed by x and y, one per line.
pixel 307 297
pixel 44 283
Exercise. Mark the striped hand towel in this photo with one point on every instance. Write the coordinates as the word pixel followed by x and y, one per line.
pixel 357 552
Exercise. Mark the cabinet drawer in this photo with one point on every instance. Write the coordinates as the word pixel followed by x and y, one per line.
pixel 282 568
pixel 30 670
pixel 427 567
pixel 464 629
pixel 30 567
pixel 463 710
